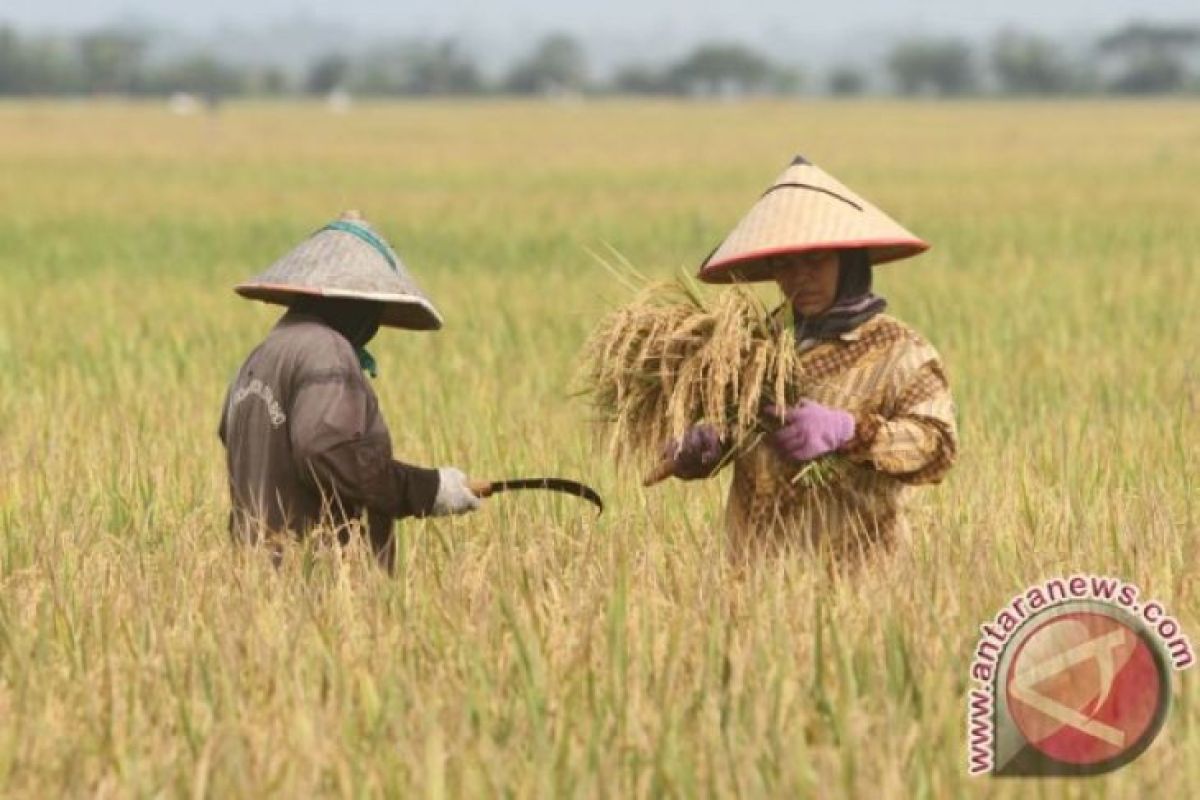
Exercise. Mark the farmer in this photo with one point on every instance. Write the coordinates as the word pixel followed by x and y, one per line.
pixel 305 443
pixel 875 394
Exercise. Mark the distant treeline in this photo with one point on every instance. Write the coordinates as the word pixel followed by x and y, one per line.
pixel 1135 59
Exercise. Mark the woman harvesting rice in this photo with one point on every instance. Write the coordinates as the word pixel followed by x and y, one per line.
pixel 306 445
pixel 875 400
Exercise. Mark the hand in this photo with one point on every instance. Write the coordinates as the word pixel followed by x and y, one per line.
pixel 811 430
pixel 698 455
pixel 454 496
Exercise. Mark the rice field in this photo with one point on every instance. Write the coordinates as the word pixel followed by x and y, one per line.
pixel 533 649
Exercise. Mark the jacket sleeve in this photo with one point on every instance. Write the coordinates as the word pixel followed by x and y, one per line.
pixel 917 442
pixel 336 446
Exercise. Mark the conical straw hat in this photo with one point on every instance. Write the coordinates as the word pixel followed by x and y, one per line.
pixel 806 209
pixel 348 259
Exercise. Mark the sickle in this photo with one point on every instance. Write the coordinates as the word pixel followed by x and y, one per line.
pixel 489 488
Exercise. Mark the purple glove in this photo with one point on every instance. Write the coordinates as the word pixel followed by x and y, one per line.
pixel 698 454
pixel 811 430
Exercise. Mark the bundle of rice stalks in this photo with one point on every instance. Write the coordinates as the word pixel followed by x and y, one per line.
pixel 671 358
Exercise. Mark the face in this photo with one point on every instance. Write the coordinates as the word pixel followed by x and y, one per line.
pixel 357 320
pixel 809 280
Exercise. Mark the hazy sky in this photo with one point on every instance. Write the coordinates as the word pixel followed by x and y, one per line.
pixel 691 17
pixel 804 33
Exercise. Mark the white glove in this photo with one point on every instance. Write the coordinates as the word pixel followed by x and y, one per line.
pixel 453 495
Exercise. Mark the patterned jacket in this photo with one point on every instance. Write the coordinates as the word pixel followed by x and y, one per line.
pixel 894 384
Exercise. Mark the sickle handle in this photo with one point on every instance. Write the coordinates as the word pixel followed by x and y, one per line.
pixel 664 470
pixel 480 488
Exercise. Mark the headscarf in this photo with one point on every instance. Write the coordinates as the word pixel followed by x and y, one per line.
pixel 356 320
pixel 853 304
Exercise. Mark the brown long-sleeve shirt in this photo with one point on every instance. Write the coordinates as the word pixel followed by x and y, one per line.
pixel 306 445
pixel 894 384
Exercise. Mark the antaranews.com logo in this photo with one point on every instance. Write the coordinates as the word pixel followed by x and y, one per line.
pixel 1072 677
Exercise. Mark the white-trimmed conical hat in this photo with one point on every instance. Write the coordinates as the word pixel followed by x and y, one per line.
pixel 348 259
pixel 806 209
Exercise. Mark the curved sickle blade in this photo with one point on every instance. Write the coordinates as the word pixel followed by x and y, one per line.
pixel 550 484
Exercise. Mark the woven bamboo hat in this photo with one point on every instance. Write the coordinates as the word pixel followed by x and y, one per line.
pixel 806 209
pixel 348 259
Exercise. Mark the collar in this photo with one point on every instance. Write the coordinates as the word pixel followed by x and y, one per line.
pixel 365 359
pixel 847 337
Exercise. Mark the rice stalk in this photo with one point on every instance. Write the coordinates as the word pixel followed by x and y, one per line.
pixel 673 357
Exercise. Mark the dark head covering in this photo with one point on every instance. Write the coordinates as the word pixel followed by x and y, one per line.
pixel 853 305
pixel 357 320
pixel 854 273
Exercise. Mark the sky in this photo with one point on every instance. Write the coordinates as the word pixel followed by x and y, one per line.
pixel 745 16
pixel 615 31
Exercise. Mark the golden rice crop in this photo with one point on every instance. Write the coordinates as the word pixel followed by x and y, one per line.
pixel 673 357
pixel 532 649
pixel 670 359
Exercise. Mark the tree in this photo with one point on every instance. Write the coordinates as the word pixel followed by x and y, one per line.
pixel 557 64
pixel 42 65
pixel 1150 73
pixel 1152 56
pixel 638 79
pixel 418 68
pixel 786 80
pixel 441 69
pixel 846 81
pixel 1141 36
pixel 272 81
pixel 111 61
pixel 200 74
pixel 50 67
pixel 940 66
pixel 721 69
pixel 1028 64
pixel 14 78
pixel 326 74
